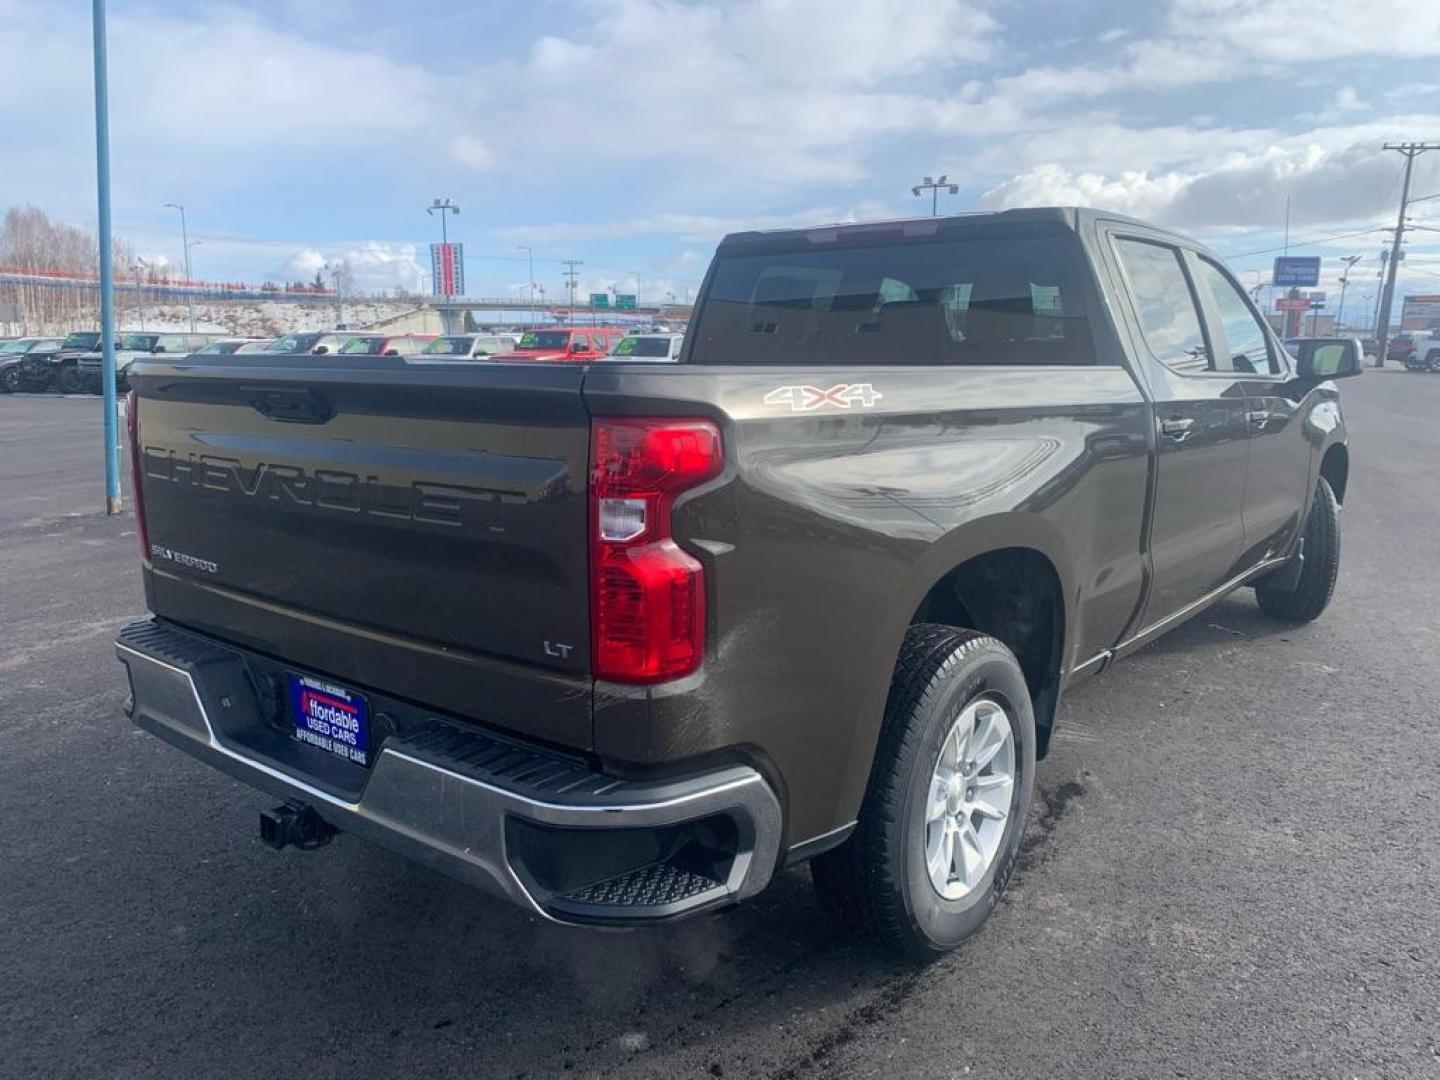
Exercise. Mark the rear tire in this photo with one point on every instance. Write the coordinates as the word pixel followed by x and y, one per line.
pixel 878 884
pixel 67 379
pixel 1316 586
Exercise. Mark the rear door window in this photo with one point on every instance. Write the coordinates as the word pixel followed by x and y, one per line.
pixel 1008 295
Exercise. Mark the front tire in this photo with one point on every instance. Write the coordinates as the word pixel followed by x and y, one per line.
pixel 67 379
pixel 939 829
pixel 1316 585
pixel 9 379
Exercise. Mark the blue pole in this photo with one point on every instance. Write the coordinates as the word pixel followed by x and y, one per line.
pixel 107 277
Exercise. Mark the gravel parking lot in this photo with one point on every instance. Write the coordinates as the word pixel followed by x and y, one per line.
pixel 1233 868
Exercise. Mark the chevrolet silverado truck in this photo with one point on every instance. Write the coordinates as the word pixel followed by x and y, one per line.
pixel 620 641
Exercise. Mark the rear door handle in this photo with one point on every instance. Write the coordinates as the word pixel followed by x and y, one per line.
pixel 1177 428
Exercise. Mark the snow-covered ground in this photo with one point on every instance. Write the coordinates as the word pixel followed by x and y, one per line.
pixel 260 318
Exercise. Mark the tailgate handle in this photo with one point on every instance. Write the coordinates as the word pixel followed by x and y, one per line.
pixel 288 404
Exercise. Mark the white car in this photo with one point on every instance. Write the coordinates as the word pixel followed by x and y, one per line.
pixel 655 347
pixel 468 346
pixel 131 347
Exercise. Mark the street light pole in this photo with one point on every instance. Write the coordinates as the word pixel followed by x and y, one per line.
pixel 444 207
pixel 530 256
pixel 1349 261
pixel 107 266
pixel 185 239
pixel 139 290
pixel 932 185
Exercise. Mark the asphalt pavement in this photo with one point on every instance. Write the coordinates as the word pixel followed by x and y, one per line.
pixel 1233 867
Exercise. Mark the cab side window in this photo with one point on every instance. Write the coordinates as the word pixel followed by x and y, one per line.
pixel 1164 304
pixel 1245 337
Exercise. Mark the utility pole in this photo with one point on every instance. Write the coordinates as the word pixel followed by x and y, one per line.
pixel 1410 150
pixel 1349 261
pixel 185 239
pixel 572 276
pixel 933 186
pixel 444 207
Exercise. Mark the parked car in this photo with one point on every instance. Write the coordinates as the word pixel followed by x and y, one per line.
pixel 573 343
pixel 56 368
pixel 129 347
pixel 618 641
pixel 12 356
pixel 385 344
pixel 648 347
pixel 1402 348
pixel 294 343
pixel 1426 356
pixel 469 345
pixel 334 342
pixel 230 346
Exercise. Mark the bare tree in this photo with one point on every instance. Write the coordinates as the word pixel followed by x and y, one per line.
pixel 65 258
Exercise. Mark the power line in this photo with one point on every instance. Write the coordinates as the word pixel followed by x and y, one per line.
pixel 1306 243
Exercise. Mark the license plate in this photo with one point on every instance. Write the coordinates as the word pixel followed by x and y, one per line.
pixel 330 717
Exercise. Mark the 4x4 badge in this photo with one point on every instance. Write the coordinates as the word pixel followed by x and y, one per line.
pixel 810 398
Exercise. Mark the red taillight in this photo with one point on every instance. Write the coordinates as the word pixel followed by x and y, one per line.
pixel 132 429
pixel 647 596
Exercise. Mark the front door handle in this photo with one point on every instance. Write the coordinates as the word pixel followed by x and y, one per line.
pixel 1177 428
pixel 1260 417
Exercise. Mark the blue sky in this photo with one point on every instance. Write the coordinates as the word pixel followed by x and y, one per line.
pixel 631 134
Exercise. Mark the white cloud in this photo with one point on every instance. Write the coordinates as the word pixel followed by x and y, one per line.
pixel 1328 182
pixel 686 227
pixel 471 152
pixel 376 266
pixel 1304 30
pixel 779 91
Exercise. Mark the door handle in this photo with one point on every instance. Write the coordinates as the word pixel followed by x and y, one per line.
pixel 1259 417
pixel 1177 428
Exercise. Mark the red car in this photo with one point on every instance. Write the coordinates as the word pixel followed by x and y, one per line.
pixel 570 343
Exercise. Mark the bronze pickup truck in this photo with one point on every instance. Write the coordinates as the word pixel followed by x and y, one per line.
pixel 618 641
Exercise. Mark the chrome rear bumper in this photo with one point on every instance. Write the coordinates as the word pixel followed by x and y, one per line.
pixel 536 828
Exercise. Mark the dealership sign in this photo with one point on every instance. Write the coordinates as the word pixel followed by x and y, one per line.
pixel 1420 313
pixel 1302 271
pixel 1293 303
pixel 447 269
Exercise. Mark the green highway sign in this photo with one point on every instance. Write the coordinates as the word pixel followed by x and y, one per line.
pixel 624 301
pixel 600 299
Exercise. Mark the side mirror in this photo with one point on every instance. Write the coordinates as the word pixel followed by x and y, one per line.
pixel 1318 359
pixel 391 352
pixel 320 350
pixel 158 349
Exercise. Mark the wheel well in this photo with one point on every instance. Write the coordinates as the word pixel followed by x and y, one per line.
pixel 1335 467
pixel 1014 595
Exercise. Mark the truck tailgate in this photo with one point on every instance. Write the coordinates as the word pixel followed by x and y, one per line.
pixel 417 528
